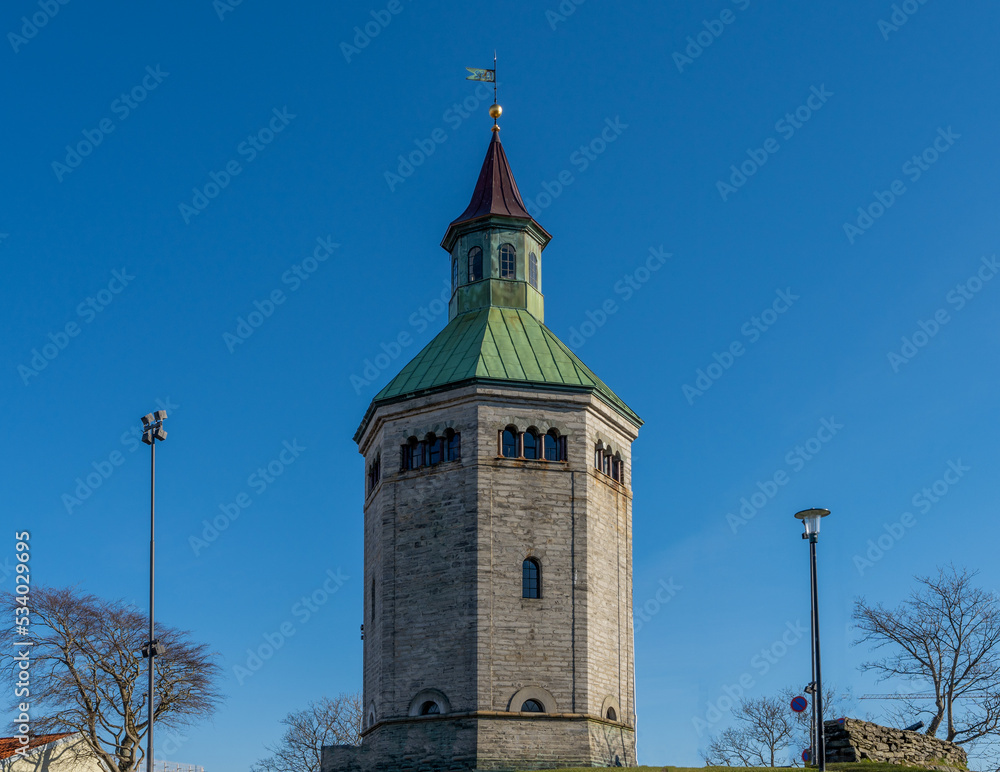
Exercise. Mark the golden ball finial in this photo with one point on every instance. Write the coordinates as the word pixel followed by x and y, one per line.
pixel 495 111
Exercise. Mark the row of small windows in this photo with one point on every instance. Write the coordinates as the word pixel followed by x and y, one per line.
pixel 431 708
pixel 431 450
pixel 611 465
pixel 433 702
pixel 508 261
pixel 530 444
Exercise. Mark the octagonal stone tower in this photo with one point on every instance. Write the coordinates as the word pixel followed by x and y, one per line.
pixel 498 529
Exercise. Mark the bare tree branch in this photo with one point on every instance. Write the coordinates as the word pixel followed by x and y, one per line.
pixel 945 638
pixel 326 721
pixel 86 663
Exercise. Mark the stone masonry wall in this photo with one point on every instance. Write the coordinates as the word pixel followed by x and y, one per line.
pixel 850 739
pixel 443 607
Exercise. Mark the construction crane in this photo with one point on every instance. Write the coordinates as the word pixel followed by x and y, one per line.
pixel 921 696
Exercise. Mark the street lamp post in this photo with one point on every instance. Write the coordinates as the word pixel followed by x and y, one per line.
pixel 810 519
pixel 152 430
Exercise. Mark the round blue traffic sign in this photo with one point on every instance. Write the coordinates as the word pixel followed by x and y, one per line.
pixel 806 755
pixel 799 703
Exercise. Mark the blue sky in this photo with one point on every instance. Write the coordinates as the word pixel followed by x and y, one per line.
pixel 214 162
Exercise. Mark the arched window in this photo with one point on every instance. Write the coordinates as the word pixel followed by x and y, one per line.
pixel 454 445
pixel 435 449
pixel 607 463
pixel 555 446
pixel 612 716
pixel 508 257
pixel 599 457
pixel 411 454
pixel 530 442
pixel 430 708
pixel 454 274
pixel 533 270
pixel 531 579
pixel 508 442
pixel 532 706
pixel 617 468
pixel 475 264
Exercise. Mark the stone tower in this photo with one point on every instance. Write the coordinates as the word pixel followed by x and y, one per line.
pixel 498 529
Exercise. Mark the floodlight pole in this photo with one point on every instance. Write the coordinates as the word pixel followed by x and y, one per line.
pixel 152 424
pixel 152 574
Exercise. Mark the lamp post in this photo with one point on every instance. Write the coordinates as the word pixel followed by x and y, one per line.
pixel 152 430
pixel 810 519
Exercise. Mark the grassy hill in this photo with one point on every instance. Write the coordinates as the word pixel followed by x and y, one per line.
pixel 862 767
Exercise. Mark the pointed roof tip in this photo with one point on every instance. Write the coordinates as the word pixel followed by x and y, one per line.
pixel 496 191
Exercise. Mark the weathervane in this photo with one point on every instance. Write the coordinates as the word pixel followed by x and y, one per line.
pixel 489 76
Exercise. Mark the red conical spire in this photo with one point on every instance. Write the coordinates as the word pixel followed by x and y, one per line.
pixel 496 192
pixel 496 195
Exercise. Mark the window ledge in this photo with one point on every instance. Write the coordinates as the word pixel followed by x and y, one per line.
pixel 427 467
pixel 609 480
pixel 529 460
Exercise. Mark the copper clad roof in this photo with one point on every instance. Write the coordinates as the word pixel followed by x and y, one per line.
pixel 496 192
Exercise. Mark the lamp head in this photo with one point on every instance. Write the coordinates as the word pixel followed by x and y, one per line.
pixel 810 519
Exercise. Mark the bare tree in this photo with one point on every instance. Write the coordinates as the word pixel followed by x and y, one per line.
pixel 326 721
pixel 88 675
pixel 765 726
pixel 731 747
pixel 945 636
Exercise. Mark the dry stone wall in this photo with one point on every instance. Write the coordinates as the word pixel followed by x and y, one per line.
pixel 850 739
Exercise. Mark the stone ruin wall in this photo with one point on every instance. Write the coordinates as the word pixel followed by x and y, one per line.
pixel 850 739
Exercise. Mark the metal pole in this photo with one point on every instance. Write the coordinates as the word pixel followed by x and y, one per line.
pixel 820 738
pixel 812 719
pixel 152 564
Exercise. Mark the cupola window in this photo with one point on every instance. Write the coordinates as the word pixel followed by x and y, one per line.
pixel 475 264
pixel 508 258
pixel 533 270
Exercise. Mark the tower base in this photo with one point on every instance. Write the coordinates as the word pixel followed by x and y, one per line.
pixel 502 742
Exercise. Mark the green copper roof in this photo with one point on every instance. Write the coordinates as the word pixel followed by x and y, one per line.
pixel 497 344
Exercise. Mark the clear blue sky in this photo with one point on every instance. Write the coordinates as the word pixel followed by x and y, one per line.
pixel 869 100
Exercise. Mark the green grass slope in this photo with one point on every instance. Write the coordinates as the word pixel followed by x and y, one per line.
pixel 862 767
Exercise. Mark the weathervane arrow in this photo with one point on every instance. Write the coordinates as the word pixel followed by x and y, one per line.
pixel 488 76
